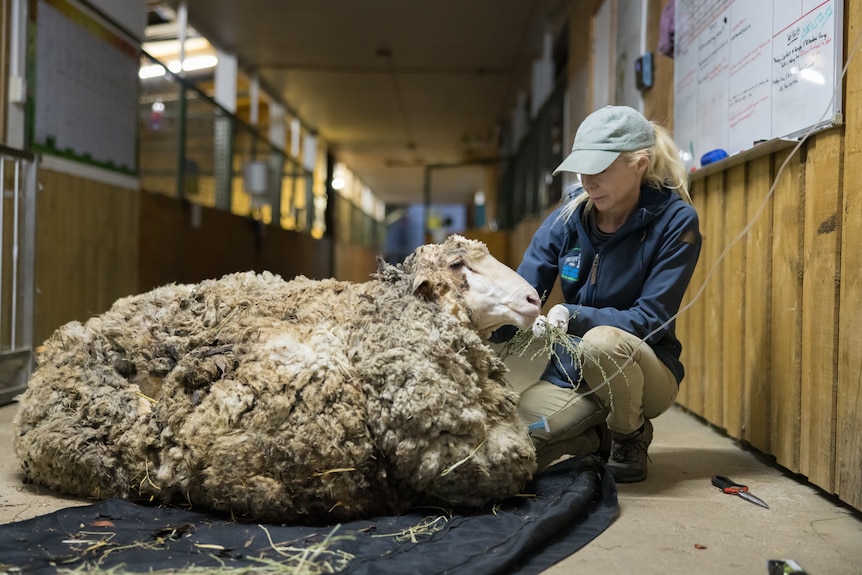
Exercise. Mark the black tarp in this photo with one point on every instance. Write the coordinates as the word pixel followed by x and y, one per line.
pixel 560 511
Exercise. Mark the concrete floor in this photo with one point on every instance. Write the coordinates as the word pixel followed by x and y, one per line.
pixel 675 522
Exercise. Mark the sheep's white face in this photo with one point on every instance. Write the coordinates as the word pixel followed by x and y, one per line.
pixel 497 295
pixel 493 294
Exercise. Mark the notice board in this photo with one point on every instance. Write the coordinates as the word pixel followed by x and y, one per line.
pixel 748 71
pixel 82 87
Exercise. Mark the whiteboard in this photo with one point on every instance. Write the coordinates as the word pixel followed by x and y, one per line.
pixel 751 71
pixel 84 88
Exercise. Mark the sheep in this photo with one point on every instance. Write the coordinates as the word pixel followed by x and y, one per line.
pixel 313 401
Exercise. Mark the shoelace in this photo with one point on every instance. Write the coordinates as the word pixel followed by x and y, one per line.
pixel 626 451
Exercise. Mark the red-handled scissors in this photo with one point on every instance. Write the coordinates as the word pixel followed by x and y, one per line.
pixel 729 486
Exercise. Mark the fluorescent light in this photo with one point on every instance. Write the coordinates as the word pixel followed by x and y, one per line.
pixel 193 63
pixel 151 71
pixel 199 62
pixel 339 176
pixel 165 48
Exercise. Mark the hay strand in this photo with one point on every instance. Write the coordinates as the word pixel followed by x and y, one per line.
pixel 457 464
pixel 334 470
pixel 425 528
pixel 315 559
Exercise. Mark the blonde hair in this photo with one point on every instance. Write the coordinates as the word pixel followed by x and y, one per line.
pixel 665 169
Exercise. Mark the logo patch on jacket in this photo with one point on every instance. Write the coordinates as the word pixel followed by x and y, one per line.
pixel 571 265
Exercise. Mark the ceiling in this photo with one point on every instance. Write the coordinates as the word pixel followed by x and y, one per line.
pixel 392 86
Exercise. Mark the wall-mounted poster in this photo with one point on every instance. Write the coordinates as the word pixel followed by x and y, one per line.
pixel 83 87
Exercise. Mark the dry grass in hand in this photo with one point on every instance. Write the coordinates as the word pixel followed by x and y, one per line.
pixel 547 346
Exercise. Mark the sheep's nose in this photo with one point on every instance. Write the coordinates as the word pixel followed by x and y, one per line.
pixel 533 303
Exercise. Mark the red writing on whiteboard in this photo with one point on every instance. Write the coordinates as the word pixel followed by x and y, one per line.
pixel 686 81
pixel 715 72
pixel 740 116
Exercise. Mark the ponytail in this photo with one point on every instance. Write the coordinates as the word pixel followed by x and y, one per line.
pixel 665 168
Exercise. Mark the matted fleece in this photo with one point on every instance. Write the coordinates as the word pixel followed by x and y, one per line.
pixel 562 509
pixel 284 400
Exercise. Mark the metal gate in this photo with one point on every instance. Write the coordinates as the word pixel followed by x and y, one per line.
pixel 18 171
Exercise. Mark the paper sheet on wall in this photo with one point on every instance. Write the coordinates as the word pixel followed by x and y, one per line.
pixel 84 88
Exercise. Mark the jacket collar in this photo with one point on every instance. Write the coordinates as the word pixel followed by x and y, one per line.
pixel 654 200
pixel 651 204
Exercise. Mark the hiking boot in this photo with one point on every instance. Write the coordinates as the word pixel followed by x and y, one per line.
pixel 628 461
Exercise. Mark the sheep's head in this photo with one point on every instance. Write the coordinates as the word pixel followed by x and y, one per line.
pixel 462 277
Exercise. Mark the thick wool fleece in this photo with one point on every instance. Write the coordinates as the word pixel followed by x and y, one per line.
pixel 305 400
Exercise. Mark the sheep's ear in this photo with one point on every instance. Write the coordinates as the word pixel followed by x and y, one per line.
pixel 422 286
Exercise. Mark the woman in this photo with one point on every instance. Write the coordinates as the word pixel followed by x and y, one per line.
pixel 624 244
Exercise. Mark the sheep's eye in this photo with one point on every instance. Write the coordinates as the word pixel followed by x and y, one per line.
pixel 457 264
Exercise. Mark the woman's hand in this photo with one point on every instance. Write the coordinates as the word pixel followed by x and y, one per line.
pixel 557 316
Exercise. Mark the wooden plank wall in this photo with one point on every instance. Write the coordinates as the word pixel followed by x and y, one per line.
pixel 178 245
pixel 762 339
pixel 354 263
pixel 96 243
pixel 821 253
pixel 848 427
pixel 86 249
pixel 771 344
pixel 756 359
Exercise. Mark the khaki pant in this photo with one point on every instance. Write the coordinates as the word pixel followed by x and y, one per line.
pixel 643 388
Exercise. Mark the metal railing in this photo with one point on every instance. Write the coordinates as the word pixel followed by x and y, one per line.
pixel 193 149
pixel 18 177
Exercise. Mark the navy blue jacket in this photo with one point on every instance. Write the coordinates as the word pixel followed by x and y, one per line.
pixel 635 282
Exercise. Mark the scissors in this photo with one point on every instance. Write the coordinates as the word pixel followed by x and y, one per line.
pixel 729 486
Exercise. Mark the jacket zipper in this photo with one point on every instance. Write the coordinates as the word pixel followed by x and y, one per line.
pixel 594 270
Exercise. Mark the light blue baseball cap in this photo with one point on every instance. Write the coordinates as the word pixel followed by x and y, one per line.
pixel 603 135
